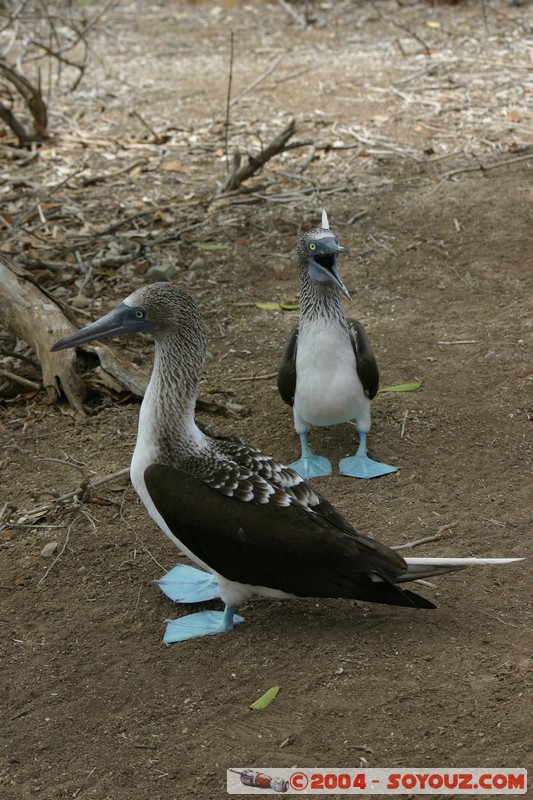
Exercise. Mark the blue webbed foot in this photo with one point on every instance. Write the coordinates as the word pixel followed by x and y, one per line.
pixel 185 584
pixel 312 466
pixel 361 466
pixel 203 623
pixel 309 465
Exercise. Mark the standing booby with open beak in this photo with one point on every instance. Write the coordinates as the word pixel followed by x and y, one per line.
pixel 328 372
pixel 254 525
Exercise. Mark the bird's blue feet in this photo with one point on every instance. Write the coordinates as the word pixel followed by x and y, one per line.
pixel 361 466
pixel 184 584
pixel 203 623
pixel 309 465
pixel 312 466
pixel 364 467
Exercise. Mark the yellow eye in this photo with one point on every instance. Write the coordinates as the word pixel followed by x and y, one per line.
pixel 139 314
pixel 312 246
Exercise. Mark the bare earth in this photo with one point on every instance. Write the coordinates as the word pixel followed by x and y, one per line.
pixel 93 705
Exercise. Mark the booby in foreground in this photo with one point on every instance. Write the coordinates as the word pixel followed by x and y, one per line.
pixel 253 524
pixel 328 372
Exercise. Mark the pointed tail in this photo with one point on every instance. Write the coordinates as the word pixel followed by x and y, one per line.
pixel 418 568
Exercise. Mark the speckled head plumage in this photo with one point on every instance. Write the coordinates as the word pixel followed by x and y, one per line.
pixel 174 319
pixel 159 308
pixel 169 309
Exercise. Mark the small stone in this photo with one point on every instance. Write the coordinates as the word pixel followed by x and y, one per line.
pixel 280 272
pixel 162 272
pixel 80 301
pixel 49 549
pixel 198 263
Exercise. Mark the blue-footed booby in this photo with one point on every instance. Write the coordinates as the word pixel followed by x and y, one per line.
pixel 328 372
pixel 248 522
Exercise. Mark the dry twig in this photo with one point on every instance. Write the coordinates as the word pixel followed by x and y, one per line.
pixel 34 100
pixel 255 377
pixel 59 555
pixel 301 21
pixel 241 173
pixel 257 81
pixel 425 47
pixel 228 101
pixel 478 168
pixel 4 373
pixel 441 534
pixel 79 491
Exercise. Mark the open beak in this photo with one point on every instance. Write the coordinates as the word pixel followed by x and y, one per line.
pixel 335 273
pixel 324 264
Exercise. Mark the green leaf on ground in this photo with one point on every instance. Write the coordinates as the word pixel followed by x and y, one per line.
pixel 402 387
pixel 265 699
pixel 209 246
pixel 278 306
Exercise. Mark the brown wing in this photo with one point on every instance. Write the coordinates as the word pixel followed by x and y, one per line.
pixel 286 547
pixel 367 367
pixel 287 369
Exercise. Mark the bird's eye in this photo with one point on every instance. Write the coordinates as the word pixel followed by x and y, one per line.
pixel 140 313
pixel 312 246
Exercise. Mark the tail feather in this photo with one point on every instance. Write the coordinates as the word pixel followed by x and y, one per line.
pixel 418 568
pixel 391 595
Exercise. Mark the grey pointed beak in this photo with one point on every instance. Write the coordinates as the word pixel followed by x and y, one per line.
pixel 337 277
pixel 338 248
pixel 324 264
pixel 122 320
pixel 340 284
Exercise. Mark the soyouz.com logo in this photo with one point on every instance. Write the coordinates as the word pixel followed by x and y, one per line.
pixel 493 781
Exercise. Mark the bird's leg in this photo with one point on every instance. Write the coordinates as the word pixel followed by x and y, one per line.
pixel 309 465
pixel 185 584
pixel 361 466
pixel 203 623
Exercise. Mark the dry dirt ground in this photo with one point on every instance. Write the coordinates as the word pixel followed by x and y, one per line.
pixel 405 105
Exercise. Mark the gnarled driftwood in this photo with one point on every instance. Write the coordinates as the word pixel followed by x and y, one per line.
pixel 36 316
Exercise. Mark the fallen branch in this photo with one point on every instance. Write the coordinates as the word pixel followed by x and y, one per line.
pixel 17 127
pixel 33 316
pixel 4 373
pixel 34 100
pixel 37 317
pixel 82 489
pixel 241 173
pixel 478 168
